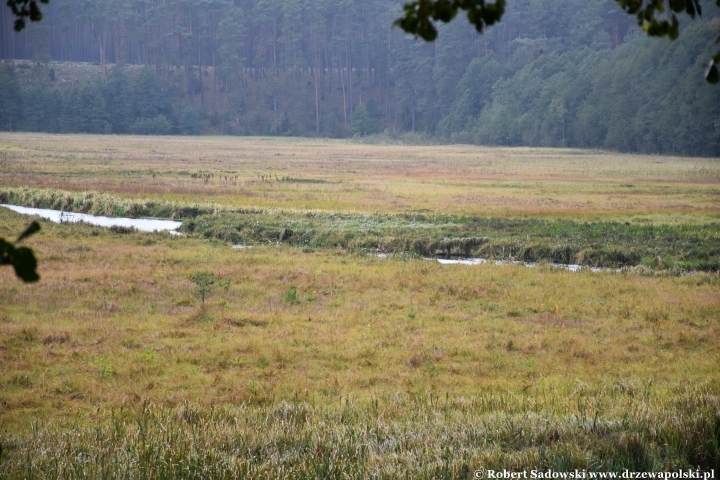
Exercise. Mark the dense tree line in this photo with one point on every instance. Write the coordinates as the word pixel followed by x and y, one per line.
pixel 644 96
pixel 553 72
pixel 118 105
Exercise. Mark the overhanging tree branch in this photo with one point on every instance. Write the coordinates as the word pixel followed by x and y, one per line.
pixel 659 18
pixel 417 17
pixel 23 9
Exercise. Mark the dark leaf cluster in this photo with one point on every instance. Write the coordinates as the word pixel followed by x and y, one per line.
pixel 23 9
pixel 22 259
pixel 418 14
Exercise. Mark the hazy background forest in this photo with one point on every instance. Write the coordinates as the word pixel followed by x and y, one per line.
pixel 560 73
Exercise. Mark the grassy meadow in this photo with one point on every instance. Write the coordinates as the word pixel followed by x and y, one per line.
pixel 339 176
pixel 312 357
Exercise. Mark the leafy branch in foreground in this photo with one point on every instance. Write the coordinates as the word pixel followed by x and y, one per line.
pixel 657 17
pixel 25 8
pixel 21 258
pixel 669 27
pixel 418 14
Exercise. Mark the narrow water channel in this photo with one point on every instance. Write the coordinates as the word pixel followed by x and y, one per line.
pixel 478 261
pixel 58 216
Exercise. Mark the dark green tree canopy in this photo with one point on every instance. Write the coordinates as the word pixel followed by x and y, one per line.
pixel 659 18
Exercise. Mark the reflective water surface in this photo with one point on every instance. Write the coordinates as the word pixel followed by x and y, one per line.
pixel 58 216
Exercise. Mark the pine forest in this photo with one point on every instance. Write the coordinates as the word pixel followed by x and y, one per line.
pixel 554 73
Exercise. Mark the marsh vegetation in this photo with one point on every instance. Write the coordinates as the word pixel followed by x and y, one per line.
pixel 318 359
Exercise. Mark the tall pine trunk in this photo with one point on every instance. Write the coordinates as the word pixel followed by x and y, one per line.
pixel 317 103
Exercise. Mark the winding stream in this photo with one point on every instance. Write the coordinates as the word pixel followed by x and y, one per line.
pixel 153 225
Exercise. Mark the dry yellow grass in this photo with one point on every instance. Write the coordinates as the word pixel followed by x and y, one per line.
pixel 114 320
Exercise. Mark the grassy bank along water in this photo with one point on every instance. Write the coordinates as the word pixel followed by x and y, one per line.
pixel 597 244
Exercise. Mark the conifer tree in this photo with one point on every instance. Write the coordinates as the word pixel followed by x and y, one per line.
pixel 117 91
pixel 10 100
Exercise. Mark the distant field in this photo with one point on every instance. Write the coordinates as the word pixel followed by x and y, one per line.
pixel 340 176
pixel 319 359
